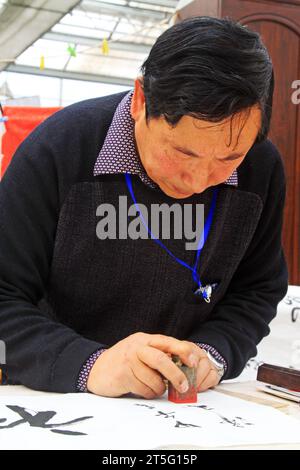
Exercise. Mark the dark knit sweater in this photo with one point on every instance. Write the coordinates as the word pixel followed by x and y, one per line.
pixel 64 293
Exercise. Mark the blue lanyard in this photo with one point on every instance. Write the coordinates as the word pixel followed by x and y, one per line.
pixel 204 235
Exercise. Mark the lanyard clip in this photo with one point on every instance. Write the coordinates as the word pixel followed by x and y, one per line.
pixel 206 291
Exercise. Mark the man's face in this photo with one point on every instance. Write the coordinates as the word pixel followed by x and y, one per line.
pixel 218 148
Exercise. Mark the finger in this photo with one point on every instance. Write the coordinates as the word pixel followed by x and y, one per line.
pixel 203 370
pixel 161 362
pixel 211 380
pixel 189 353
pixel 138 388
pixel 149 377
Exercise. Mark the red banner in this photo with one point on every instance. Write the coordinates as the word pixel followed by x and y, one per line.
pixel 21 122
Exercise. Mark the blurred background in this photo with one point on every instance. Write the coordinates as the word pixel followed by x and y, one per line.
pixel 57 52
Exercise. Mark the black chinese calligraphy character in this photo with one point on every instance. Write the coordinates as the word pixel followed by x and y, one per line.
pixel 237 421
pixel 171 414
pixel 39 419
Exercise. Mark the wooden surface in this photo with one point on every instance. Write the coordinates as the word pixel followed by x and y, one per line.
pixel 279 376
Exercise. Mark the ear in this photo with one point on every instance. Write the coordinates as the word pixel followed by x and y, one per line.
pixel 137 107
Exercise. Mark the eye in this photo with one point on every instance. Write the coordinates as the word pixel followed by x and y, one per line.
pixel 182 155
pixel 230 162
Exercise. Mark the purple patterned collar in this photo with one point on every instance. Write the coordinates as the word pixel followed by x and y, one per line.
pixel 118 153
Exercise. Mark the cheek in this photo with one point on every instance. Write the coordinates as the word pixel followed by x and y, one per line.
pixel 222 174
pixel 165 166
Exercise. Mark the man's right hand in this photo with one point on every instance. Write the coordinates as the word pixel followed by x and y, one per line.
pixel 139 364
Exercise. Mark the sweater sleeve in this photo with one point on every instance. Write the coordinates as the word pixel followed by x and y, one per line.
pixel 41 353
pixel 241 319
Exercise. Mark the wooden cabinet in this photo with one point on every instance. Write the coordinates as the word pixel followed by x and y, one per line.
pixel 279 24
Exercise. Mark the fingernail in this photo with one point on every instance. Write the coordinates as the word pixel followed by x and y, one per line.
pixel 184 386
pixel 193 361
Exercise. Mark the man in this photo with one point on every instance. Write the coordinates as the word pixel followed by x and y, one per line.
pixel 83 312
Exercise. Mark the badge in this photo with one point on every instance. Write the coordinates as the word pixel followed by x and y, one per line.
pixel 206 291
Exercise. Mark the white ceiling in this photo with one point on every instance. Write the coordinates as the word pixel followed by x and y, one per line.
pixel 30 29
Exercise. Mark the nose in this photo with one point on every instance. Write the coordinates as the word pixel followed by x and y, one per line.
pixel 195 183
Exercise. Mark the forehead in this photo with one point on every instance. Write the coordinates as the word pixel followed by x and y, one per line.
pixel 233 132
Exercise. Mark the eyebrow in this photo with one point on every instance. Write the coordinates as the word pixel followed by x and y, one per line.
pixel 233 156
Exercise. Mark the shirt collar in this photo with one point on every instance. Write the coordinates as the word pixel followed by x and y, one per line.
pixel 119 154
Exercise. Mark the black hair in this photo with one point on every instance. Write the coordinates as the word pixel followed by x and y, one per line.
pixel 210 69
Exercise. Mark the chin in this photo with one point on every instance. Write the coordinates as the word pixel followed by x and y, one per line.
pixel 172 193
pixel 181 196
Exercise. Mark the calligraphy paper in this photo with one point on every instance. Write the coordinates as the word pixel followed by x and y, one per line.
pixel 86 421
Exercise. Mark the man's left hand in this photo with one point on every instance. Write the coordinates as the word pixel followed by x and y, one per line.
pixel 207 373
